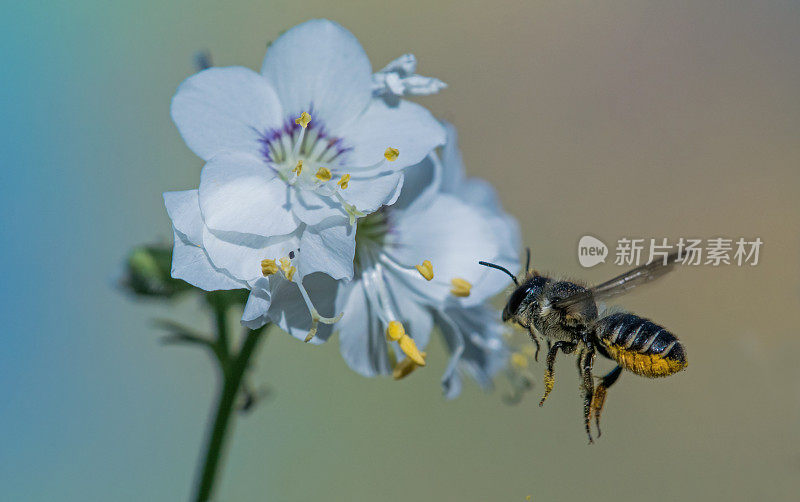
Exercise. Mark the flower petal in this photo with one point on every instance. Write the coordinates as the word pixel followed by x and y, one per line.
pixel 361 340
pixel 191 264
pixel 474 338
pixel 328 249
pixel 368 194
pixel 420 181
pixel 454 339
pixel 225 109
pixel 255 311
pixel 416 318
pixel 312 208
pixel 241 254
pixel 290 312
pixel 320 64
pixel 184 211
pixel 239 193
pixel 453 235
pixel 408 127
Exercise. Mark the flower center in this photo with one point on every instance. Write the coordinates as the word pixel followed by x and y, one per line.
pixel 306 157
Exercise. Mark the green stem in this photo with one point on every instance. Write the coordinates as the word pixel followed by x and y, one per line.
pixel 232 376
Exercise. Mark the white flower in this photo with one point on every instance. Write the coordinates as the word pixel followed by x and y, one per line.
pixel 293 155
pixel 474 338
pixel 398 79
pixel 416 265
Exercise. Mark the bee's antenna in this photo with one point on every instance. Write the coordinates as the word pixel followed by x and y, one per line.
pixel 498 267
pixel 527 259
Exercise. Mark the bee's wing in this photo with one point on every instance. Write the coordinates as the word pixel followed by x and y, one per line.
pixel 622 283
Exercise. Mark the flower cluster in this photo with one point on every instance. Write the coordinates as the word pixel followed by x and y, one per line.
pixel 342 207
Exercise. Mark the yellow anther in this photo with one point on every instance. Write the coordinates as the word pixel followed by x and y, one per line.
pixel 324 174
pixel 344 181
pixel 519 361
pixel 405 367
pixel 287 268
pixel 461 287
pixel 303 120
pixel 298 168
pixel 410 349
pixel 268 267
pixel 395 331
pixel 425 270
pixel 391 154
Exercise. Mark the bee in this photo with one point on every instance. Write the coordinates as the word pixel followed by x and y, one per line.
pixel 565 315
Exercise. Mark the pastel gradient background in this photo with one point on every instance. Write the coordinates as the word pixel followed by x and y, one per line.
pixel 646 119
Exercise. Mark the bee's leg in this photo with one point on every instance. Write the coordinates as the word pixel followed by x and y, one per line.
pixel 549 380
pixel 585 363
pixel 600 394
pixel 538 345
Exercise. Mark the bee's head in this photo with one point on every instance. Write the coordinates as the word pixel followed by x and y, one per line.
pixel 530 288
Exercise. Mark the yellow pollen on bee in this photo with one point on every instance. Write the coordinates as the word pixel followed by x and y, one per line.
pixel 268 267
pixel 405 367
pixel 323 174
pixel 391 154
pixel 395 331
pixel 298 168
pixel 303 120
pixel 425 270
pixel 461 287
pixel 344 181
pixel 519 360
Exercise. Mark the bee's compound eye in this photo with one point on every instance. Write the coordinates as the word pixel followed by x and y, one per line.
pixel 516 299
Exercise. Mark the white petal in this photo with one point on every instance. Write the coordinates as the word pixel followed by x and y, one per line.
pixel 328 249
pixel 452 235
pixel 416 318
pixel 312 209
pixel 367 195
pixel 408 127
pixel 405 65
pixel 225 109
pixel 453 174
pixel 241 254
pixel 184 211
pixel 191 264
pixel 454 339
pixel 289 310
pixel 484 351
pixel 239 193
pixel 420 181
pixel 255 311
pixel 361 340
pixel 319 64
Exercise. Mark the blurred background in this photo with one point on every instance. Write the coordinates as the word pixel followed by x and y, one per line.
pixel 626 119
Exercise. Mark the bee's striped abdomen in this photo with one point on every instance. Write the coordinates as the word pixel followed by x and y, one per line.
pixel 641 346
